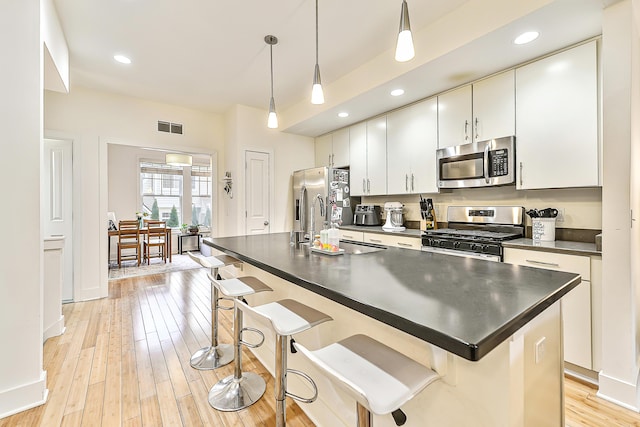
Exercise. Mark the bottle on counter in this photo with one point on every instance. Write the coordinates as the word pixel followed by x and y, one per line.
pixel 333 238
pixel 324 239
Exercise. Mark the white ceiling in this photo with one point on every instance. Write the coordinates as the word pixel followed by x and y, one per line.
pixel 211 55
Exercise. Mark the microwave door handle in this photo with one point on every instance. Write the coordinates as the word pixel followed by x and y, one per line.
pixel 486 162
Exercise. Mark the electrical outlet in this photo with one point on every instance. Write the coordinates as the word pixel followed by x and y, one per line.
pixel 560 217
pixel 539 350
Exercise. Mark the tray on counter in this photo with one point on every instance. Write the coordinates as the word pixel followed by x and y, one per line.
pixel 330 253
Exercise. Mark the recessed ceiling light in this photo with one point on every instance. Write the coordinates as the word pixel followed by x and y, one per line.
pixel 527 37
pixel 122 59
pixel 397 92
pixel 343 114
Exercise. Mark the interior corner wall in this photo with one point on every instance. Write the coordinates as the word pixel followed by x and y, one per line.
pixel 618 379
pixel 56 72
pixel 94 119
pixel 247 130
pixel 22 379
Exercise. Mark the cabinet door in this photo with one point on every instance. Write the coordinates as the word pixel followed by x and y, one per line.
pixel 576 305
pixel 494 107
pixel 557 120
pixel 323 150
pixel 412 137
pixel 358 159
pixel 340 155
pixel 454 117
pixel 377 156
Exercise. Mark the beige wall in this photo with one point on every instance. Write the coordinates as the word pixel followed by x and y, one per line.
pixel 582 206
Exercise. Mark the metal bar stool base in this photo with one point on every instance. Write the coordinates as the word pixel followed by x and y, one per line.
pixel 212 357
pixel 233 394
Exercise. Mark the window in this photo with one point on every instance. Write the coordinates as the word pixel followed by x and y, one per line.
pixel 161 187
pixel 201 195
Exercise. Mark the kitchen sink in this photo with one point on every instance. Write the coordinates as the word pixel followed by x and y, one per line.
pixel 360 248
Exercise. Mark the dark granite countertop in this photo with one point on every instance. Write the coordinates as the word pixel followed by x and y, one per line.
pixel 558 246
pixel 463 305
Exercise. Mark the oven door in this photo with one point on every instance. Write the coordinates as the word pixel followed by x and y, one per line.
pixel 479 164
pixel 486 257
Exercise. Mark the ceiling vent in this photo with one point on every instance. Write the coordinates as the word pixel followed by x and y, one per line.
pixel 169 127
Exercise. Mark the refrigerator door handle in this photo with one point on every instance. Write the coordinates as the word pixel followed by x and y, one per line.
pixel 303 213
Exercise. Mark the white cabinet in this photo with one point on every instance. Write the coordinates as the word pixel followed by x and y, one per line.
pixel 412 140
pixel 576 305
pixel 368 157
pixel 405 242
pixel 478 112
pixel 333 149
pixel 355 236
pixel 557 120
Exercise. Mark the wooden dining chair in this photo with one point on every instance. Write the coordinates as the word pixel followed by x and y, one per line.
pixel 128 240
pixel 156 237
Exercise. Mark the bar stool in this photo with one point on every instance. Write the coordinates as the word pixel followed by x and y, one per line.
pixel 216 354
pixel 378 377
pixel 287 317
pixel 242 389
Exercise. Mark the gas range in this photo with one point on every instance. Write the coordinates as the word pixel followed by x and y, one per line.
pixel 476 231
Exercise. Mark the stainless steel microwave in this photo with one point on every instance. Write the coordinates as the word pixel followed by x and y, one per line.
pixel 478 164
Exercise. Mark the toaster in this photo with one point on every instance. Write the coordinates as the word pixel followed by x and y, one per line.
pixel 367 215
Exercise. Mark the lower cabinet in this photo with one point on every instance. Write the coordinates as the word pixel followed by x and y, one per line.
pixel 576 305
pixel 405 242
pixel 354 236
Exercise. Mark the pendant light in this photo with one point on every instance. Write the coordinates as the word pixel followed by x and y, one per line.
pixel 272 120
pixel 404 47
pixel 317 96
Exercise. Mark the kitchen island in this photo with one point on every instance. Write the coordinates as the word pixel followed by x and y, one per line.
pixel 491 330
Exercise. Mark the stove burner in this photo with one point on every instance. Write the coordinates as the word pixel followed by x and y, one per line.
pixel 486 235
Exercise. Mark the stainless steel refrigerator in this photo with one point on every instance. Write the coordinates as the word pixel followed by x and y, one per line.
pixel 333 187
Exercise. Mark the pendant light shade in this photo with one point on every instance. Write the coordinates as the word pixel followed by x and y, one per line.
pixel 317 95
pixel 178 159
pixel 272 120
pixel 404 46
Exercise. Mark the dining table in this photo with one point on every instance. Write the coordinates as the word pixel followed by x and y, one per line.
pixel 144 231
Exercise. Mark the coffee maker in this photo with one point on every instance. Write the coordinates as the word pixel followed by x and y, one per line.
pixel 395 216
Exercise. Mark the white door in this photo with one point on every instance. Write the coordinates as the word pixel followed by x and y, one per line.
pixel 58 203
pixel 454 117
pixel 257 179
pixel 358 159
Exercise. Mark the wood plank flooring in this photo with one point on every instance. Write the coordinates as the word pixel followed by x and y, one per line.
pixel 124 361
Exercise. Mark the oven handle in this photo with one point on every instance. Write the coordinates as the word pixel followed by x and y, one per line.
pixel 486 162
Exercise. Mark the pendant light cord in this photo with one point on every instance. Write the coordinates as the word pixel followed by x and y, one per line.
pixel 271 57
pixel 316 32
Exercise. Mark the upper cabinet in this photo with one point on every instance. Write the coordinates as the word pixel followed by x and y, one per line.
pixel 333 149
pixel 412 138
pixel 557 120
pixel 368 157
pixel 478 112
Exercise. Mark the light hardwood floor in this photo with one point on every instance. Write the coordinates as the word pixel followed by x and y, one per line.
pixel 124 361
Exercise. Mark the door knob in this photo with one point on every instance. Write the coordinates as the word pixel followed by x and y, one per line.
pixel 266 223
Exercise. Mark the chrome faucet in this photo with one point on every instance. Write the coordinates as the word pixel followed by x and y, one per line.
pixel 312 232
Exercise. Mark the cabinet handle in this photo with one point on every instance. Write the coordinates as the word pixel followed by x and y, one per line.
pixel 347 236
pixel 466 130
pixel 329 160
pixel 520 174
pixel 413 180
pixel 477 136
pixel 550 264
pixel 333 160
pixel 368 186
pixel 364 186
pixel 375 240
pixel 406 245
pixel 406 182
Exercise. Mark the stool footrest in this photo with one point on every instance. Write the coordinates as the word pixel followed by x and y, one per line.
pixel 251 345
pixel 224 307
pixel 310 380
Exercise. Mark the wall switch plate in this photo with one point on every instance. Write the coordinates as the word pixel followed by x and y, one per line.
pixel 560 217
pixel 539 350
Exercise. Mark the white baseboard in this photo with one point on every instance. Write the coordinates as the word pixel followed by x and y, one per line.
pixel 620 392
pixel 57 328
pixel 24 397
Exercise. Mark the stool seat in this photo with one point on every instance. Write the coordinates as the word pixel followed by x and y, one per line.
pixel 240 286
pixel 375 375
pixel 289 317
pixel 214 261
